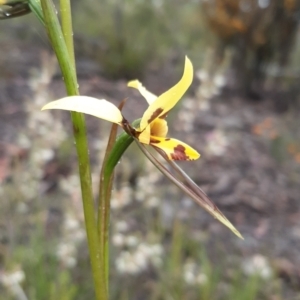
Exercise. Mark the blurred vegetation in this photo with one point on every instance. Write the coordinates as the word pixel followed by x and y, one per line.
pixel 256 40
pixel 258 36
pixel 126 35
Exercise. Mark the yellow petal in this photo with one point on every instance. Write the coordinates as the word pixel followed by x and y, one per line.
pixel 168 100
pixel 98 108
pixel 144 136
pixel 150 98
pixel 159 127
pixel 174 149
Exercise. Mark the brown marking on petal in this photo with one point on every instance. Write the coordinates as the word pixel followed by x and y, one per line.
pixel 164 115
pixel 154 141
pixel 167 139
pixel 179 153
pixel 155 114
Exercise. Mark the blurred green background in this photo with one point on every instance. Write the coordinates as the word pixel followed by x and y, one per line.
pixel 241 113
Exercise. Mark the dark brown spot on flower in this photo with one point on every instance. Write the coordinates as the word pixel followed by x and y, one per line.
pixel 164 115
pixel 179 153
pixel 155 115
pixel 154 141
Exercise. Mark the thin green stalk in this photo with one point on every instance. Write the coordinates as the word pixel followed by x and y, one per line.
pixel 104 207
pixel 105 189
pixel 35 7
pixel 79 128
pixel 123 141
pixel 113 155
pixel 66 25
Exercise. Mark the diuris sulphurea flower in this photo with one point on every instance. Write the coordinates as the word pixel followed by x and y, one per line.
pixel 152 130
pixel 153 127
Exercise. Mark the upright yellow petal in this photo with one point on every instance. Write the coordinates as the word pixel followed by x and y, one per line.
pixel 150 98
pixel 88 105
pixel 174 149
pixel 168 100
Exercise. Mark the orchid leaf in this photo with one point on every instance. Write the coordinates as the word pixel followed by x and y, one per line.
pixel 199 197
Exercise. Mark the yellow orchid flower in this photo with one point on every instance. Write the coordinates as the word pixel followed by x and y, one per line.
pixel 153 127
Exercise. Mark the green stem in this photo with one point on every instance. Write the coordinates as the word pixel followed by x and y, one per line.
pixel 122 143
pixel 79 128
pixel 35 7
pixel 104 208
pixel 66 25
pixel 112 158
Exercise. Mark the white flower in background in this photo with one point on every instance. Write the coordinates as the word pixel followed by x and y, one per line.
pixel 138 260
pixel 12 281
pixel 121 226
pixel 202 75
pixel 131 241
pixel 192 274
pixel 66 253
pixel 68 185
pixel 146 191
pixel 15 277
pixel 122 197
pixel 257 265
pixel 24 141
pixel 73 235
pixel 186 116
pixel 152 202
pixel 118 240
pixel 73 229
pixel 219 81
pixel 211 80
pixel 42 155
pixel 126 263
pixel 216 142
